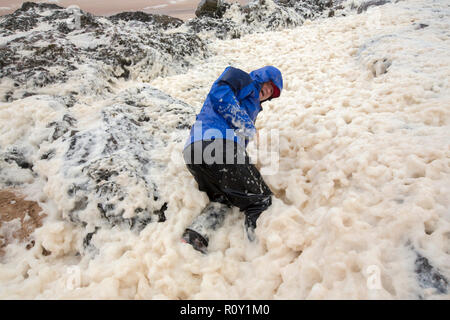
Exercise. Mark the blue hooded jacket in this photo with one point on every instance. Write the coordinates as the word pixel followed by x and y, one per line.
pixel 232 105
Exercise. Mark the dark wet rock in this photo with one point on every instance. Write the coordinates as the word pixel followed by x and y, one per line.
pixel 45 252
pixel 5 56
pixel 160 213
pixel 428 276
pixel 290 13
pixel 222 28
pixel 80 204
pixel 14 22
pixel 8 96
pixel 312 5
pixel 89 23
pixel 88 238
pixel 30 244
pixel 61 127
pixel 371 3
pixel 48 155
pixel 17 156
pixel 418 26
pixel 128 45
pixel 26 17
pixel 69 100
pixel 257 16
pixel 26 6
pixel 158 20
pixel 211 8
pixel 36 69
pixel 64 28
pixel 130 51
pixel 104 166
pixel 61 14
pixel 28 94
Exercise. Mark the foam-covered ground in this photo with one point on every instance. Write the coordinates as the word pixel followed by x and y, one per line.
pixel 361 207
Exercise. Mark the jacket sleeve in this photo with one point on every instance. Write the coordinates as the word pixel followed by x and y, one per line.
pixel 225 103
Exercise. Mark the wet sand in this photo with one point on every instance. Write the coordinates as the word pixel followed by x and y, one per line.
pixel 183 9
pixel 27 215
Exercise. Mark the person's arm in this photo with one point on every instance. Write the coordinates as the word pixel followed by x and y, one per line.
pixel 226 104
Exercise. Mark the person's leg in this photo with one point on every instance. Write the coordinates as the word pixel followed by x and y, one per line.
pixel 209 220
pixel 203 226
pixel 249 193
pixel 212 216
pixel 245 188
pixel 235 182
pixel 206 175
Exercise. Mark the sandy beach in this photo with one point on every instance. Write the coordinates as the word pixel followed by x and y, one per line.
pixel 183 9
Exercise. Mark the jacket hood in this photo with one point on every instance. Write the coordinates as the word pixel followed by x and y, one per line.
pixel 268 73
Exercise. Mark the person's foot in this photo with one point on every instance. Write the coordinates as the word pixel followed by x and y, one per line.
pixel 196 240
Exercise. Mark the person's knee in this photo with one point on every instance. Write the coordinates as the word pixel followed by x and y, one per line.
pixel 266 202
pixel 254 211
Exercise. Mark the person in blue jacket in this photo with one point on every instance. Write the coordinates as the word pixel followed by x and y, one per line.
pixel 215 152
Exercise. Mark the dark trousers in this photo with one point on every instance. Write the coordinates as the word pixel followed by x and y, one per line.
pixel 223 170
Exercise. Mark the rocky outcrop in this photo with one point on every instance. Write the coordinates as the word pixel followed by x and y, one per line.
pixel 26 6
pixel 157 20
pixel 371 3
pixel 430 277
pixel 211 8
pixel 44 44
pixel 109 175
pixel 227 20
pixel 103 169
